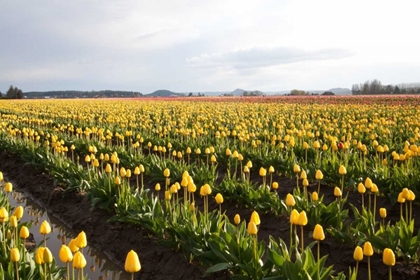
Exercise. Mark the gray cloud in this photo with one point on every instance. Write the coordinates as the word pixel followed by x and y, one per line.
pixel 264 57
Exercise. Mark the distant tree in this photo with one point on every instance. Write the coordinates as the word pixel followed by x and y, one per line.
pixel 397 90
pixel 190 94
pixel 14 93
pixel 297 92
pixel 328 93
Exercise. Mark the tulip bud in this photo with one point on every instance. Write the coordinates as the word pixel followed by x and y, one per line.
pixel 72 245
pixel 249 164
pixel 302 219
pixel 290 200
pixel 411 196
pixel 305 182
pixel 255 218
pixel 271 169
pixel 367 249
pixel 141 167
pixel 87 158
pixel 206 189
pixel 318 233
pixel 388 257
pixel 237 219
pixel 361 188
pixel 167 195
pixel 342 170
pixel 79 260
pixel 358 254
pixel 108 168
pixel 405 193
pixel 132 263
pixel 45 228
pixel 136 170
pixel 117 181
pixel 400 199
pixel 263 172
pixel 314 196
pixel 319 175
pixel 294 216
pixel 246 169
pixel 235 154
pixel 213 158
pixel 81 240
pixel 252 228
pixel 18 212
pixel 39 256
pixel 14 255
pixel 24 232
pixel 13 221
pixel 48 257
pixel 65 254
pixel 275 185
pixel 303 175
pixel 368 183
pixel 219 198
pixel 8 187
pixel 382 213
pixel 123 172
pixel 157 187
pixel 296 168
pixel 228 152
pixel 337 192
pixel 166 172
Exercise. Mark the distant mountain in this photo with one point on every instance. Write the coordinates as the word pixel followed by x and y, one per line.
pixel 340 90
pixel 237 92
pixel 164 93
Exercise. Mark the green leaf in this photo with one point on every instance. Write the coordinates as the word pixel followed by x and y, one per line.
pixel 217 267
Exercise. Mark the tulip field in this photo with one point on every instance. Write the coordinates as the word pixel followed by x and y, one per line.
pixel 244 188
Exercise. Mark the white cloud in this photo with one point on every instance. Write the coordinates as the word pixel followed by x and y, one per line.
pixel 263 57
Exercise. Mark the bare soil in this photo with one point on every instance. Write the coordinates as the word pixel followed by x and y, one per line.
pixel 116 239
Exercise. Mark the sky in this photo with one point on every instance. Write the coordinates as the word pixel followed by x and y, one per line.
pixel 199 46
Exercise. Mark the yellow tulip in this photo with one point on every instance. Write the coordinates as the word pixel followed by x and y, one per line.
pixel 275 185
pixel 367 249
pixel 141 167
pixel 39 256
pixel 8 187
pixel 294 216
pixel 368 183
pixel 228 152
pixel 219 198
pixel 400 199
pixel 157 187
pixel 24 232
pixel 18 212
pixel 342 170
pixel 108 168
pixel 290 200
pixel 132 263
pixel 166 172
pixel 237 219
pixel 303 175
pixel 81 240
pixel 319 175
pixel 361 188
pixel 48 257
pixel 13 221
pixel 382 213
pixel 318 233
pixel 358 254
pixel 255 218
pixel 302 219
pixel 79 260
pixel 252 228
pixel 72 245
pixel 14 255
pixel 388 257
pixel 263 172
pixel 45 228
pixel 296 168
pixel 65 254
pixel 337 192
pixel 271 169
pixel 314 196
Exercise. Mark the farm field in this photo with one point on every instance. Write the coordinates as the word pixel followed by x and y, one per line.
pixel 230 188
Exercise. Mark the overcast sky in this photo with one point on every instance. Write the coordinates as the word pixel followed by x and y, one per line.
pixel 216 45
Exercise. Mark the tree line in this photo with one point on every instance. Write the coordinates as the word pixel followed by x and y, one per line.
pixel 376 87
pixel 13 93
